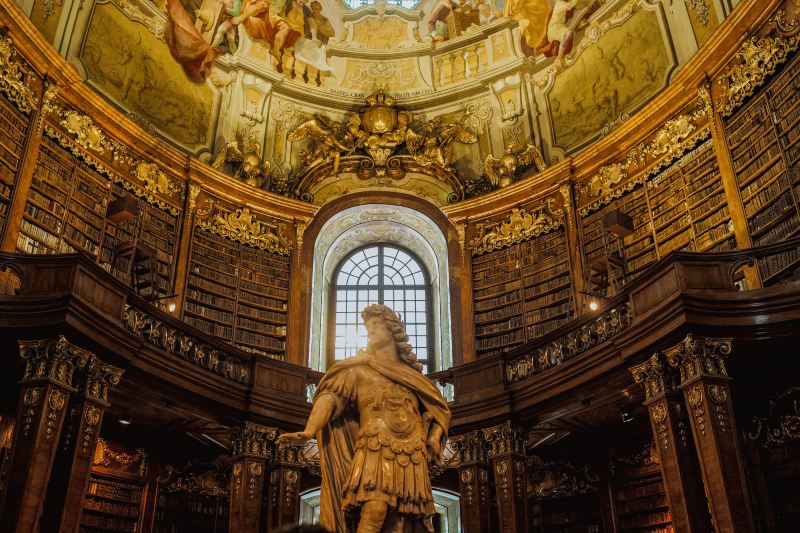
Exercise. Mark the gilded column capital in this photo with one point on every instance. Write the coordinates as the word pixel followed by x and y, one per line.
pixel 468 449
pixel 253 439
pixel 287 453
pixel 504 439
pixel 52 360
pixel 98 378
pixel 697 356
pixel 655 377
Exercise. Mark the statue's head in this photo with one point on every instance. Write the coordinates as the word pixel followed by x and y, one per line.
pixel 377 315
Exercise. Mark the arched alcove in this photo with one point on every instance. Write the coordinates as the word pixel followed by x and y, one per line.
pixel 357 226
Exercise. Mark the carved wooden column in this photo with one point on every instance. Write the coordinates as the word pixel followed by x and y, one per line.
pixel 705 384
pixel 507 452
pixel 284 486
pixel 473 480
pixel 70 479
pixel 250 451
pixel 46 388
pixel 679 468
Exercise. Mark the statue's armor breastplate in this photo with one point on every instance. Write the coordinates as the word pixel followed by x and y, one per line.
pixel 390 419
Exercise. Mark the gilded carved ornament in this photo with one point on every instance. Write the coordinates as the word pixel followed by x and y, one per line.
pixel 14 82
pixel 147 179
pixel 502 171
pixel 52 359
pixel 700 8
pixel 698 356
pixel 241 226
pixel 781 424
pixel 106 456
pixel 756 60
pixel 99 377
pixel 253 440
pixel 520 226
pixel 373 137
pixel 244 158
pixel 654 376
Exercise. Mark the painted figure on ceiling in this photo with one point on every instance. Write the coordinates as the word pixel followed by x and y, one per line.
pixel 324 27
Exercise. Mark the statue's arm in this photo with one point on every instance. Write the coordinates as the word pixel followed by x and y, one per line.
pixel 434 443
pixel 321 412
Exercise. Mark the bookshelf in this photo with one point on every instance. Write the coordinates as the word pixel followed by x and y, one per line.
pixel 641 504
pixel 569 514
pixel 238 293
pixel 763 140
pixel 66 212
pixel 683 207
pixel 156 229
pixel 13 130
pixel 521 292
pixel 186 512
pixel 112 504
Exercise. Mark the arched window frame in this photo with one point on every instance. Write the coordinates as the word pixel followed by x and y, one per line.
pixel 429 359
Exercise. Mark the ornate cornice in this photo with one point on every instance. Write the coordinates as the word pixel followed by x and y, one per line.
pixel 756 60
pixel 253 440
pixel 468 448
pixel 504 439
pixel 655 377
pixel 108 457
pixel 98 378
pixel 242 226
pixel 80 134
pixel 52 360
pixel 697 356
pixel 14 78
pixel 607 325
pixel 521 225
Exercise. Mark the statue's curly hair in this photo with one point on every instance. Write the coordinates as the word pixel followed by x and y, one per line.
pixel 396 327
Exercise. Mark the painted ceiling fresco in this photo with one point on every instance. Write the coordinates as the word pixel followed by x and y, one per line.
pixel 231 80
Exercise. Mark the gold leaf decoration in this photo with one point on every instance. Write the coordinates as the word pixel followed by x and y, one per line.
pixel 13 80
pixel 241 226
pixel 520 226
pixel 755 61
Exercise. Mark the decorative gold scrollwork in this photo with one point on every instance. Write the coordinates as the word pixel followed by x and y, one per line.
pixel 242 226
pixel 521 225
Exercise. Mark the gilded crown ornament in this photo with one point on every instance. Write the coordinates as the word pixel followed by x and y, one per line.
pixel 502 171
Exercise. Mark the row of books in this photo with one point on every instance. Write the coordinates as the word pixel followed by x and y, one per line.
pixel 203 297
pixel 217 266
pixel 561 280
pixel 91 523
pixel 513 285
pixel 507 339
pixel 263 341
pixel 546 299
pixel 253 299
pixel 776 209
pixel 771 265
pixel 209 313
pixel 657 501
pixel 8 174
pixel 739 126
pixel 655 519
pixel 112 507
pixel 639 488
pixel 751 188
pixel 261 314
pixel 212 327
pixel 498 314
pixel 495 327
pixel 779 232
pixel 707 186
pixel 705 240
pixel 275 292
pixel 118 490
pixel 545 313
pixel 543 328
pixel 270 276
pixel 745 153
pixel 261 326
pixel 505 298
pixel 198 277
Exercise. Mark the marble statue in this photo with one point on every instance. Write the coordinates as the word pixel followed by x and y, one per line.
pixel 379 423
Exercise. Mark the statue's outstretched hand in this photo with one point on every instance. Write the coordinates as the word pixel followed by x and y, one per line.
pixel 434 450
pixel 298 437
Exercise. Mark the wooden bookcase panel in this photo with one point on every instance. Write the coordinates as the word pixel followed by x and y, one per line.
pixel 641 505
pixel 763 138
pixel 185 512
pixel 238 293
pixel 13 130
pixel 521 292
pixel 111 504
pixel 681 208
pixel 66 209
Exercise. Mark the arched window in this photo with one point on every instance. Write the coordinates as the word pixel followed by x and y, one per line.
pixel 385 274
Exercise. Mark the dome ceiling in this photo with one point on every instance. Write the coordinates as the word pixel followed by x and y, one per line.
pixel 232 81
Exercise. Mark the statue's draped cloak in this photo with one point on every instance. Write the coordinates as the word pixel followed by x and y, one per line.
pixel 336 440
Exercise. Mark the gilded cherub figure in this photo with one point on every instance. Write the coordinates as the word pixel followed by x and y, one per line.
pixel 434 145
pixel 380 425
pixel 244 156
pixel 329 140
pixel 502 171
